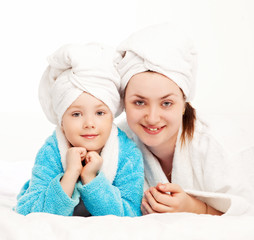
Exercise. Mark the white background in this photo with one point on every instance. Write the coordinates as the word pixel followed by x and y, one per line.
pixel 31 30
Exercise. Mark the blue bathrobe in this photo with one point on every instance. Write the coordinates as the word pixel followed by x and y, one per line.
pixel 43 192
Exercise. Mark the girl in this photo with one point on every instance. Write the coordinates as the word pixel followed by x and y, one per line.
pixel 87 166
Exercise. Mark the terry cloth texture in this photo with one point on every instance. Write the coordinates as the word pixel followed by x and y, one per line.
pixel 161 48
pixel 120 196
pixel 204 169
pixel 77 68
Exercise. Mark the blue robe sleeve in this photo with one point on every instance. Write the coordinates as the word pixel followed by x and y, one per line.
pixel 123 197
pixel 43 192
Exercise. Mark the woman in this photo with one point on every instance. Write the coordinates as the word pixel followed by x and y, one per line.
pixel 186 169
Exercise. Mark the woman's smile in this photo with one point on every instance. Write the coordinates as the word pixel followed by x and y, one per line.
pixel 152 129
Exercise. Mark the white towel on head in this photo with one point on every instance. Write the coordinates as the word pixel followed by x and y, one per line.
pixel 75 68
pixel 160 48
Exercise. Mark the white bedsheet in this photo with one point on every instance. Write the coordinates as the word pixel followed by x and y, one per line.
pixel 37 226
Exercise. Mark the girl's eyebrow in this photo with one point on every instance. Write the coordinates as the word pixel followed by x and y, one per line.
pixel 75 106
pixel 81 106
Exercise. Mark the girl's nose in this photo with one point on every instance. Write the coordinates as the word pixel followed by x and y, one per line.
pixel 88 122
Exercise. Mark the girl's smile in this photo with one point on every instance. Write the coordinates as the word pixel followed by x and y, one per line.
pixel 90 136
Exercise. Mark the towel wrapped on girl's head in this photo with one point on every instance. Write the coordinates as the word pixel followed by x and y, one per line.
pixel 76 68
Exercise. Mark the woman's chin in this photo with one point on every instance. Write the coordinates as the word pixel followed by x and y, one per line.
pixel 149 142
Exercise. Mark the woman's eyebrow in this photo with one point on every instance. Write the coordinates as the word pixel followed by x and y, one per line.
pixel 142 97
pixel 139 96
pixel 168 95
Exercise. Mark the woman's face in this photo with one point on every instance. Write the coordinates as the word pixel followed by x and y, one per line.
pixel 154 107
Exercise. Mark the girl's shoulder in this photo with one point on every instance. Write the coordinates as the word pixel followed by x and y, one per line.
pixel 49 149
pixel 51 142
pixel 124 140
pixel 128 149
pixel 122 124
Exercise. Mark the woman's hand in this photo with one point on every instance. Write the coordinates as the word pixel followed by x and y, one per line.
pixel 158 200
pixel 93 164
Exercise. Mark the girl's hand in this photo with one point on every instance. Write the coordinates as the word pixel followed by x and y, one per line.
pixel 74 158
pixel 93 164
pixel 158 200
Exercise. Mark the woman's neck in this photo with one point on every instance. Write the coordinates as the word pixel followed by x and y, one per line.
pixel 165 155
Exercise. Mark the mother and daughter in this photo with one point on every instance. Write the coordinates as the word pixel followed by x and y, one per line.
pixel 170 161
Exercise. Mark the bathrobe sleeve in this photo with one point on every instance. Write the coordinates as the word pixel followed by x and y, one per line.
pixel 122 197
pixel 43 192
pixel 225 184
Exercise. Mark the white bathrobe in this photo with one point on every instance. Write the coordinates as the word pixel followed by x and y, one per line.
pixel 204 169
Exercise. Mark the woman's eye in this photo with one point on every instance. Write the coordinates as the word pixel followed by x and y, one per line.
pixel 139 103
pixel 100 113
pixel 76 114
pixel 166 104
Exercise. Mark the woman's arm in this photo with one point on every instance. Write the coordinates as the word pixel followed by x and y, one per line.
pixel 171 198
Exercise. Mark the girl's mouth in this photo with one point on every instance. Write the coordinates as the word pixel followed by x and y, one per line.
pixel 89 136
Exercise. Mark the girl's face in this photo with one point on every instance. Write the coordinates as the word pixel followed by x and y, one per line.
pixel 154 107
pixel 87 123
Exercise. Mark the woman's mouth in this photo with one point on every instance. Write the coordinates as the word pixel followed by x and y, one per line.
pixel 152 129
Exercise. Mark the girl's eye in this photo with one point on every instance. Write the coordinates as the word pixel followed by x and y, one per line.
pixel 100 113
pixel 166 104
pixel 139 103
pixel 76 114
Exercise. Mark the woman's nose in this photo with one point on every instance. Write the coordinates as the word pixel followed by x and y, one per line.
pixel 153 115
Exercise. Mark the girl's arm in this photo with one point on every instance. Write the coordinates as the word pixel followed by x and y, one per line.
pixel 74 158
pixel 123 197
pixel 44 193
